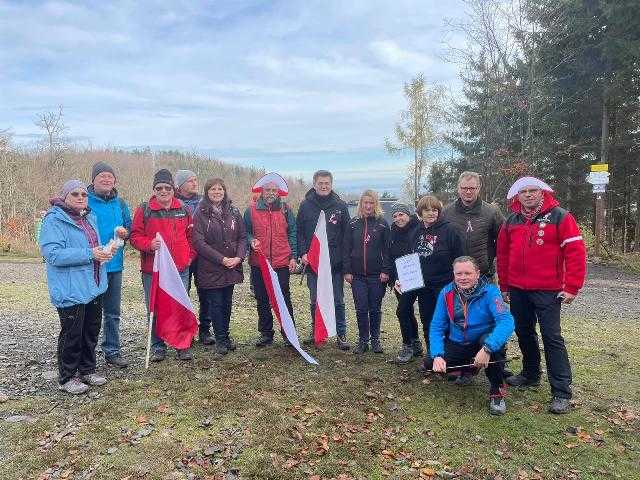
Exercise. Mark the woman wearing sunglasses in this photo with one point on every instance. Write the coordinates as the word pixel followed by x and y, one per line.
pixel 77 278
pixel 167 215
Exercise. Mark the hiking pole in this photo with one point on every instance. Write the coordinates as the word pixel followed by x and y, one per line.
pixel 304 270
pixel 457 367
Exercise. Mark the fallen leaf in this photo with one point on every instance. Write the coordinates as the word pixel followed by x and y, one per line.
pixel 142 419
pixel 427 472
pixel 162 408
pixel 571 445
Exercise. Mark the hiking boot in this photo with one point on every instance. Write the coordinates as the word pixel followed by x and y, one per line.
pixel 521 381
pixel 206 338
pixel 158 355
pixel 376 346
pixel 74 387
pixel 463 380
pixel 497 405
pixel 361 348
pixel 264 340
pixel 184 354
pixel 341 342
pixel 93 379
pixel 405 355
pixel 416 345
pixel 116 361
pixel 560 405
pixel 221 348
pixel 231 345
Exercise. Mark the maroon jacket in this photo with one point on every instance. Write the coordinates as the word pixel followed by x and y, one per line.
pixel 547 253
pixel 217 235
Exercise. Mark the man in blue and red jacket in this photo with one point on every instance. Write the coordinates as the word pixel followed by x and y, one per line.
pixel 471 325
pixel 541 264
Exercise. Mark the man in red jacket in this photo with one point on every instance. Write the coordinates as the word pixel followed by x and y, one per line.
pixel 541 264
pixel 271 230
pixel 167 215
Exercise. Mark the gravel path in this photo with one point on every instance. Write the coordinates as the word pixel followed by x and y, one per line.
pixel 28 334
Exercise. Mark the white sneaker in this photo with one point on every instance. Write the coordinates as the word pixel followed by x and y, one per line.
pixel 93 379
pixel 74 387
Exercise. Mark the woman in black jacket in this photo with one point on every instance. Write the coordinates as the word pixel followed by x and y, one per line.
pixel 366 267
pixel 438 243
pixel 404 224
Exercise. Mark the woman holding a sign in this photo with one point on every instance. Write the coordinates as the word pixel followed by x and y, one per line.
pixel 437 243
pixel 404 224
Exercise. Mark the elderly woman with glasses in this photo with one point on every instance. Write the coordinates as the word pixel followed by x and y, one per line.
pixel 77 278
pixel 168 216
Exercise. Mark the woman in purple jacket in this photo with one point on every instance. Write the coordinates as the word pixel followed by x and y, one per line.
pixel 220 239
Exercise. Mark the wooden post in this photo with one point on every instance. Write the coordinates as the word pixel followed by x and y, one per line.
pixel 599 222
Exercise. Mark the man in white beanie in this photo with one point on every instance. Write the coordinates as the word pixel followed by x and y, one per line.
pixel 187 192
pixel 541 265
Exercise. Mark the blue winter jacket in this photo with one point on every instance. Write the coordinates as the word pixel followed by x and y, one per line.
pixel 487 314
pixel 69 259
pixel 110 213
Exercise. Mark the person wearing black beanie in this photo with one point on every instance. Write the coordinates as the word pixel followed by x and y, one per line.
pixel 163 176
pixel 99 168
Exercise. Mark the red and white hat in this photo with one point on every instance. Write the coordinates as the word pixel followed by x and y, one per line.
pixel 527 182
pixel 272 177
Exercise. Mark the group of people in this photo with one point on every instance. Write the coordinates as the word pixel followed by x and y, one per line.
pixel 466 322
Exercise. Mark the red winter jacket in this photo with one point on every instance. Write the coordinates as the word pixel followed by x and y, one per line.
pixel 547 253
pixel 174 224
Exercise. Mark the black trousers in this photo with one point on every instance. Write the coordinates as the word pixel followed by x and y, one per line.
pixel 265 316
pixel 79 333
pixel 427 299
pixel 407 316
pixel 220 301
pixel 529 307
pixel 459 354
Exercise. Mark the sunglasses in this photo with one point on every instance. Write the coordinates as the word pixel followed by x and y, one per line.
pixel 165 189
pixel 78 194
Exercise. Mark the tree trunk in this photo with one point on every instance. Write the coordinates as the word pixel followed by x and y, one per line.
pixel 636 245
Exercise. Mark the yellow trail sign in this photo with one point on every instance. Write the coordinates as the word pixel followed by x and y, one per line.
pixel 600 167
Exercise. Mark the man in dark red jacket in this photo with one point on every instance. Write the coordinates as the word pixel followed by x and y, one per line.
pixel 167 215
pixel 541 264
pixel 271 230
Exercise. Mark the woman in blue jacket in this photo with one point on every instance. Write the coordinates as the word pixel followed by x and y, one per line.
pixel 77 277
pixel 471 325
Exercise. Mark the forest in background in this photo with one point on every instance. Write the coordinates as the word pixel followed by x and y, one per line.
pixel 30 177
pixel 550 88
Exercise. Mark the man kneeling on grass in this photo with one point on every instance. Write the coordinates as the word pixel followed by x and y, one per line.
pixel 471 325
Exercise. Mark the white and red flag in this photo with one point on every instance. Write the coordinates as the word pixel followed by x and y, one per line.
pixel 276 298
pixel 324 325
pixel 176 321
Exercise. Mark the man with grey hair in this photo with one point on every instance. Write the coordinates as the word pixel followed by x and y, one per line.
pixel 478 222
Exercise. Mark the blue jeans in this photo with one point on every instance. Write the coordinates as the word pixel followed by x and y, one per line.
pixel 111 300
pixel 368 292
pixel 156 342
pixel 220 301
pixel 338 300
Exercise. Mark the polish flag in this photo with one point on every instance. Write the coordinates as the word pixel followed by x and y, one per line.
pixel 276 298
pixel 176 321
pixel 318 255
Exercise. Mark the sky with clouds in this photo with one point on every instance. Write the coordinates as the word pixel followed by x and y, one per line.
pixel 290 85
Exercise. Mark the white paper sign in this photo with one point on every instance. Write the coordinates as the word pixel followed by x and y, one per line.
pixel 409 272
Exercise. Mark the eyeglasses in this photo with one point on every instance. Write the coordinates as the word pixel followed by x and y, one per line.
pixel 160 189
pixel 468 189
pixel 78 194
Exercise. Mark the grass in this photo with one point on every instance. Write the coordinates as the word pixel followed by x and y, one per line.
pixel 267 414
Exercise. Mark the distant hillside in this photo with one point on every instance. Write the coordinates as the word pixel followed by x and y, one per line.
pixel 28 179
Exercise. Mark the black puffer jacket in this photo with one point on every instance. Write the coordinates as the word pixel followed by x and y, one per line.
pixel 438 246
pixel 337 215
pixel 366 247
pixel 478 226
pixel 400 244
